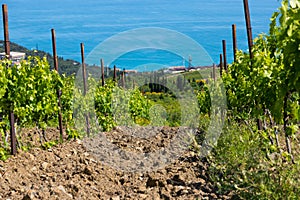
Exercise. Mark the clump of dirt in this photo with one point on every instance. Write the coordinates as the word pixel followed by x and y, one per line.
pixel 140 149
pixel 71 171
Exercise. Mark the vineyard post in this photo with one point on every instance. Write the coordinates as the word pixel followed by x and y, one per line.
pixel 221 65
pixel 250 45
pixel 115 73
pixel 158 85
pixel 123 78
pixel 234 41
pixel 248 26
pixel 102 71
pixel 13 138
pixel 151 84
pixel 5 27
pixel 224 55
pixel 156 88
pixel 85 87
pixel 214 72
pixel 285 124
pixel 58 91
pixel 154 80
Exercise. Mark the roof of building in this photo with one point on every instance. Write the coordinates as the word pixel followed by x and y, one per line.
pixel 14 54
pixel 176 68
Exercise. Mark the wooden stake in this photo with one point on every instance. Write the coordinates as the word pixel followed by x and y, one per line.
pixel 224 55
pixel 214 72
pixel 250 45
pixel 115 73
pixel 6 32
pixel 248 26
pixel 102 71
pixel 285 124
pixel 54 50
pixel 58 91
pixel 221 65
pixel 234 41
pixel 83 70
pixel 123 78
pixel 13 139
pixel 85 88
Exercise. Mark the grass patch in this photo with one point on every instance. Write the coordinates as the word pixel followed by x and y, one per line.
pixel 245 164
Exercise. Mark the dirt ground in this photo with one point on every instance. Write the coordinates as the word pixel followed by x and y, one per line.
pixel 71 171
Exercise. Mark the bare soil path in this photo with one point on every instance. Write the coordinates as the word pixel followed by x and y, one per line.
pixel 69 171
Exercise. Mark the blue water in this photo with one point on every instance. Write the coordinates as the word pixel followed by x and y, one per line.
pixel 93 21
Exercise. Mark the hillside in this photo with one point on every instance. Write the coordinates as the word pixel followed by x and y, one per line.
pixel 67 66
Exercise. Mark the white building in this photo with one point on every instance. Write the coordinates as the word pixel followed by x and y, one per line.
pixel 16 57
pixel 177 69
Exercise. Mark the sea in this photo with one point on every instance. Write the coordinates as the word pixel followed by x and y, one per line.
pixel 130 29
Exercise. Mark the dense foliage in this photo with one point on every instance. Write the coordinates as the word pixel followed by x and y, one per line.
pixel 244 165
pixel 255 164
pixel 29 89
pixel 269 83
pixel 117 106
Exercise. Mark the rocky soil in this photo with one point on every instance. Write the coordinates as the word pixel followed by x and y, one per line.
pixel 71 171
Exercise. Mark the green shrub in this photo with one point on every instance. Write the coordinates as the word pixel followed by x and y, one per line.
pixel 246 164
